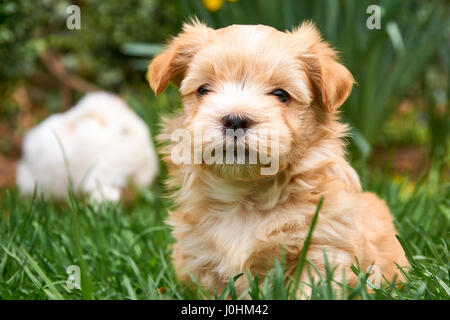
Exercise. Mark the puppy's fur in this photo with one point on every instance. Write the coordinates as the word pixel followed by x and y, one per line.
pixel 229 217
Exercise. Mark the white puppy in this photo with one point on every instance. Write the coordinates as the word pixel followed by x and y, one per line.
pixel 97 147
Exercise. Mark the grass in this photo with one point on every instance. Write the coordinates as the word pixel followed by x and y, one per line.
pixel 124 250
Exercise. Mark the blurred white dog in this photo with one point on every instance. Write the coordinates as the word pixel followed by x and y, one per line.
pixel 96 147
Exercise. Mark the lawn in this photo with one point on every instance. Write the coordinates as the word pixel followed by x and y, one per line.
pixel 124 249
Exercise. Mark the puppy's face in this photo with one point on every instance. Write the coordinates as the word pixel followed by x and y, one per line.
pixel 252 88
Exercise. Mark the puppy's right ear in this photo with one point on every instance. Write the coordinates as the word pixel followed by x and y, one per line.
pixel 330 80
pixel 172 63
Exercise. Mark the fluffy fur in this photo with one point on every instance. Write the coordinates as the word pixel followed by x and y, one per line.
pixel 229 217
pixel 98 146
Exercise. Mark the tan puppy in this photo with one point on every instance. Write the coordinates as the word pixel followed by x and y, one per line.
pixel 232 218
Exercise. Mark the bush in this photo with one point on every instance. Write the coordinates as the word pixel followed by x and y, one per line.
pixel 18 49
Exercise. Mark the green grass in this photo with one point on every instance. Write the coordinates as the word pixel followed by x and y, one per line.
pixel 124 250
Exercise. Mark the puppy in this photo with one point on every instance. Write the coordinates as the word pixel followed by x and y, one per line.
pixel 97 146
pixel 231 217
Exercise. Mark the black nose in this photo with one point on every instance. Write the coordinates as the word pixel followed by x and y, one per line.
pixel 236 121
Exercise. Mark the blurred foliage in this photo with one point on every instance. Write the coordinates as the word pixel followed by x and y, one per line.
pixel 95 50
pixel 28 27
pixel 18 48
pixel 436 93
pixel 407 127
pixel 18 19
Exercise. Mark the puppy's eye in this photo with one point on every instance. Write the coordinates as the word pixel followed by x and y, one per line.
pixel 282 95
pixel 204 89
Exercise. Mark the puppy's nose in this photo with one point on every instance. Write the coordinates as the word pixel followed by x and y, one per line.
pixel 236 121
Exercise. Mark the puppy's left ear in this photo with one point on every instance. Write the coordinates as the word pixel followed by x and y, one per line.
pixel 172 63
pixel 331 81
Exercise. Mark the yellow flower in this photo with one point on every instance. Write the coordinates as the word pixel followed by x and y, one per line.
pixel 212 5
pixel 397 178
